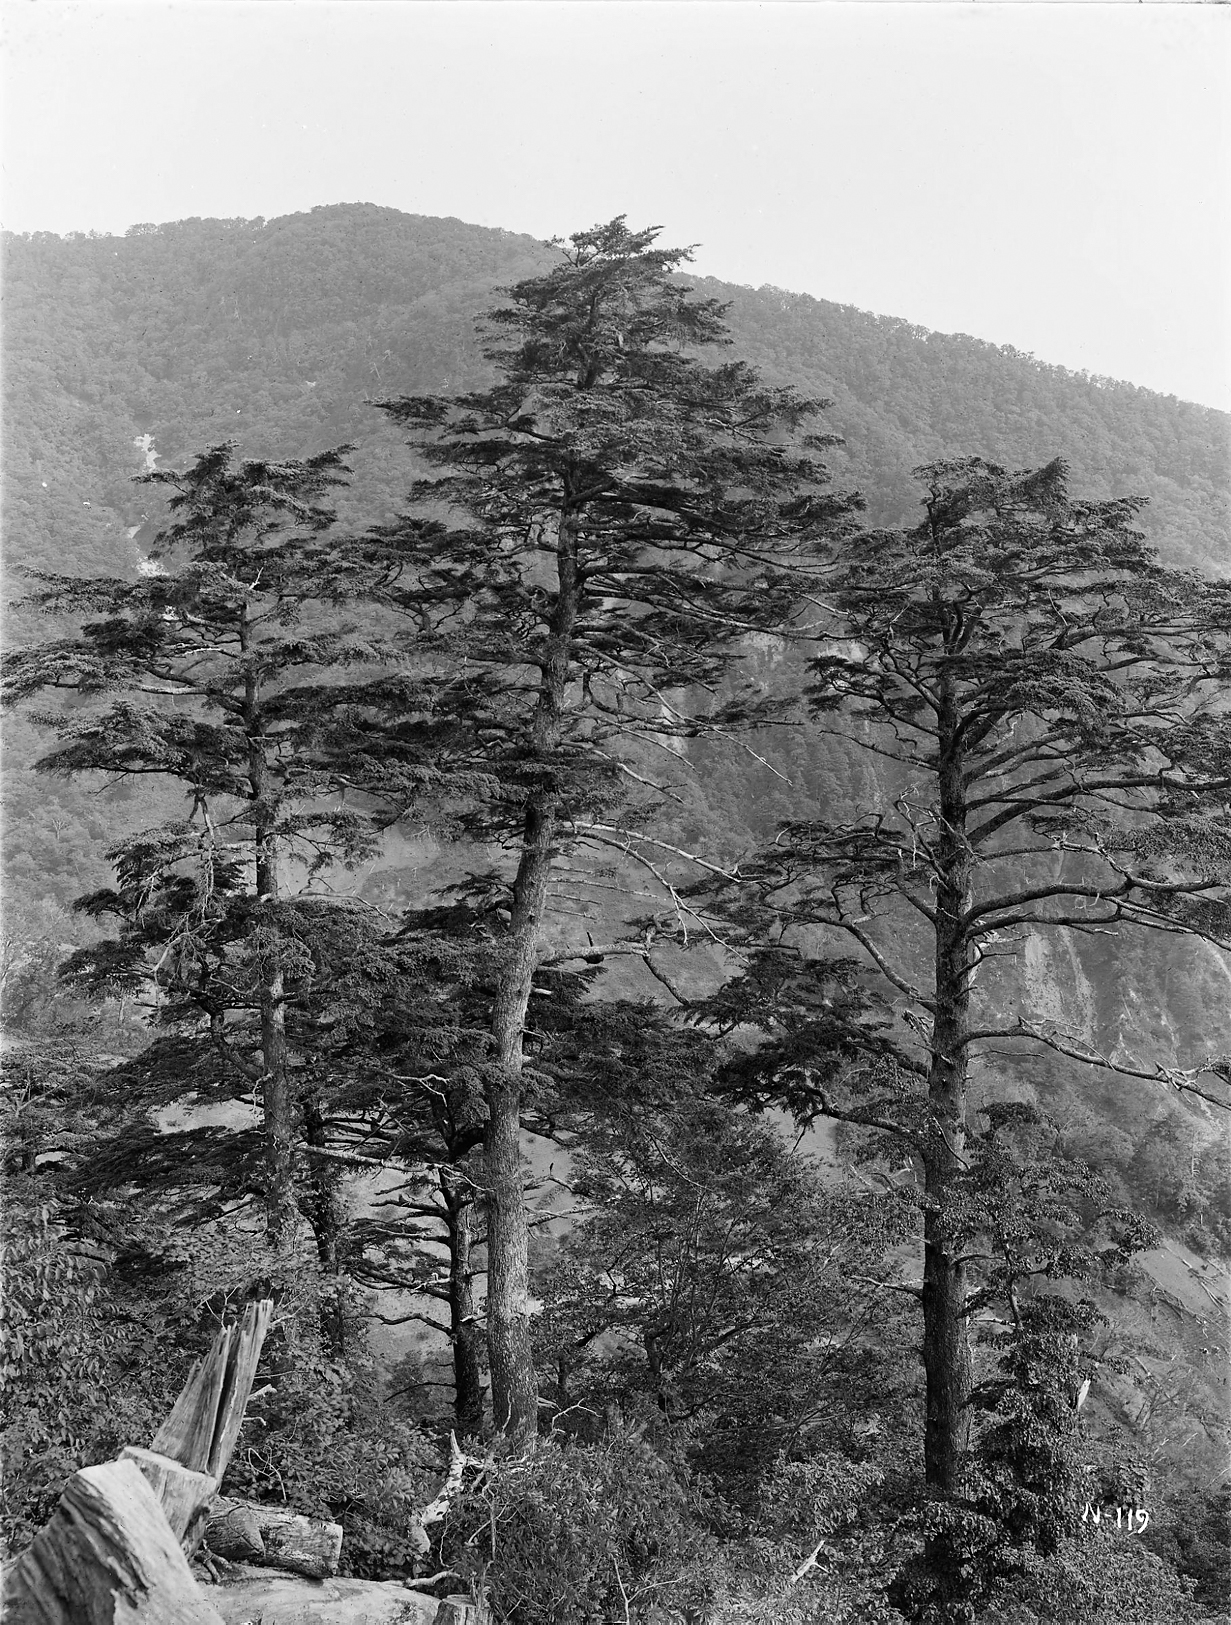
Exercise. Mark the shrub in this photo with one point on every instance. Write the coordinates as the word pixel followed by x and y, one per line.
pixel 64 1360
pixel 322 1443
pixel 569 1534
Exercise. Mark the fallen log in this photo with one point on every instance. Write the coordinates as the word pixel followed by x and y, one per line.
pixel 233 1532
pixel 107 1557
pixel 287 1540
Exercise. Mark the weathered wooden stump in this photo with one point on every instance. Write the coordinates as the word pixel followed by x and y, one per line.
pixel 108 1557
pixel 204 1424
pixel 460 1610
pixel 181 1493
pixel 115 1551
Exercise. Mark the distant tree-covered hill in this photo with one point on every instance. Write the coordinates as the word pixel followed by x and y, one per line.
pixel 278 333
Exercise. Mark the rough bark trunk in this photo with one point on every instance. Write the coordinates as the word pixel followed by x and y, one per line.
pixel 277 1098
pixel 464 1331
pixel 514 1383
pixel 946 1338
pixel 282 1211
pixel 324 1210
pixel 324 1206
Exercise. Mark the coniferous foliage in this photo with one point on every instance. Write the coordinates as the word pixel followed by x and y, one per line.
pixel 1048 694
pixel 193 674
pixel 877 1383
pixel 631 515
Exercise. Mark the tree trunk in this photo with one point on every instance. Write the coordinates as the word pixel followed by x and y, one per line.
pixel 946 1337
pixel 323 1207
pixel 323 1203
pixel 282 1211
pixel 463 1324
pixel 287 1540
pixel 277 1098
pixel 514 1384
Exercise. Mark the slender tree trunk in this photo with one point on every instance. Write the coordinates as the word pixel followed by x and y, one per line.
pixel 325 1212
pixel 278 1104
pixel 282 1211
pixel 324 1207
pixel 946 1338
pixel 463 1324
pixel 514 1383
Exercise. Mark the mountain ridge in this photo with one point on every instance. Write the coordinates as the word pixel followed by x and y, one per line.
pixel 284 331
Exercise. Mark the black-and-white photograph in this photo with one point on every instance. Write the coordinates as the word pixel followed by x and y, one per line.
pixel 616 914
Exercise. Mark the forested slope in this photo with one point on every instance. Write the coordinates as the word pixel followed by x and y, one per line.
pixel 279 334
pixel 127 354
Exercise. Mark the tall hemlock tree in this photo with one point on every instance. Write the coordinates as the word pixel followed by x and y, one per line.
pixel 1048 703
pixel 619 519
pixel 200 673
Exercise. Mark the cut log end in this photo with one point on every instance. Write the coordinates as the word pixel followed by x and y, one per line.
pixel 275 1538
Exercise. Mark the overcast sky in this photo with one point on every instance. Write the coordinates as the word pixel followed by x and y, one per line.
pixel 1054 176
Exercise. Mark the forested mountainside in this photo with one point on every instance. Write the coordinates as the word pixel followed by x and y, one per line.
pixel 697 1250
pixel 281 333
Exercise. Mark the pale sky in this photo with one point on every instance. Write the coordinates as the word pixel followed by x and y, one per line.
pixel 1053 176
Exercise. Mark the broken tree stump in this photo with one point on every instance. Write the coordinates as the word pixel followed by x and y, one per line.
pixel 205 1421
pixel 108 1557
pixel 181 1493
pixel 288 1540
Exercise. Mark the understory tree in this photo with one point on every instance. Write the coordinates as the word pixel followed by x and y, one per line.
pixel 617 518
pixel 416 1060
pixel 1046 701
pixel 718 1284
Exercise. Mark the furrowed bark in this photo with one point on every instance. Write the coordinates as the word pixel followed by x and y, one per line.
pixel 946 1339
pixel 282 1213
pixel 325 1210
pixel 463 1325
pixel 514 1383
pixel 281 1210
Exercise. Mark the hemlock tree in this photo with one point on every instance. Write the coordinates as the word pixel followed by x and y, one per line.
pixel 1048 701
pixel 200 673
pixel 625 516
